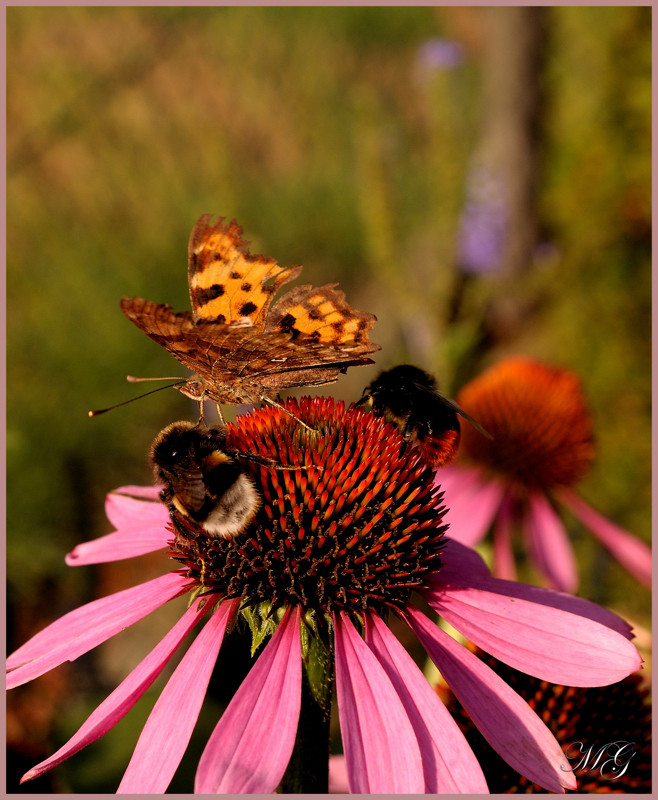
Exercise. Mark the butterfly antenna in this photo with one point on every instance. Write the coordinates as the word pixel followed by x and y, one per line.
pixel 133 379
pixel 139 397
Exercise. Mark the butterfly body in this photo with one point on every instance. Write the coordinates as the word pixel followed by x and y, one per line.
pixel 239 347
pixel 204 482
pixel 408 397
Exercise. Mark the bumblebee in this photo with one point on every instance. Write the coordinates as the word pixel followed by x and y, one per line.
pixel 204 481
pixel 408 397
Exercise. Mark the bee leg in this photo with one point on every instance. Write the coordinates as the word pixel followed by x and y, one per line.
pixel 269 463
pixel 285 411
pixel 219 413
pixel 409 431
pixel 366 401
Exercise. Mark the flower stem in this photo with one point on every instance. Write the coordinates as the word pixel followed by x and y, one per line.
pixel 308 770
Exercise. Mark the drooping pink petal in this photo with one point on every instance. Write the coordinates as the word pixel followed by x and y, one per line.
pixel 168 729
pixel 551 644
pixel 250 748
pixel 381 749
pixel 630 551
pixel 548 544
pixel 449 764
pixel 124 511
pixel 147 492
pixel 83 628
pixel 505 720
pixel 502 555
pixel 460 562
pixel 464 568
pixel 125 543
pixel 471 513
pixel 124 697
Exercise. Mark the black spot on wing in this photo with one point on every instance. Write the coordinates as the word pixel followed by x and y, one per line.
pixel 286 322
pixel 247 309
pixel 203 296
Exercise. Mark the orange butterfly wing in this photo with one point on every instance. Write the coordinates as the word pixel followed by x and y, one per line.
pixel 227 284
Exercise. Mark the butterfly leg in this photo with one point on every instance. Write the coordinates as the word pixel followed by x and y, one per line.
pixel 202 416
pixel 219 413
pixel 269 400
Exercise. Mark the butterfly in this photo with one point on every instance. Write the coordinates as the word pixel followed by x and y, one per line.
pixel 408 397
pixel 240 347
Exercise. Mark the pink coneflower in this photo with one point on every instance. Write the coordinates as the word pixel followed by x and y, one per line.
pixel 542 444
pixel 335 549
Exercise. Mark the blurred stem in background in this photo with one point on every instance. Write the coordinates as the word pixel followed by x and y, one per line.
pixel 512 71
pixel 499 227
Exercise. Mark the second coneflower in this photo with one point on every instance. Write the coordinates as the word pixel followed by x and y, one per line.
pixel 336 547
pixel 605 732
pixel 543 443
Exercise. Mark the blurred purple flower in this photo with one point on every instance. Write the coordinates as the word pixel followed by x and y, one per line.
pixel 440 54
pixel 483 223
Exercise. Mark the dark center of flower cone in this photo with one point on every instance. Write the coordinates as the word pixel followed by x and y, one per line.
pixel 541 427
pixel 357 527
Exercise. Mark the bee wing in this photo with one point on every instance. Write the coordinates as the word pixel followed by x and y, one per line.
pixel 436 397
pixel 466 416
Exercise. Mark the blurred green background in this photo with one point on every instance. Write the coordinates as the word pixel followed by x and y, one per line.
pixel 361 143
